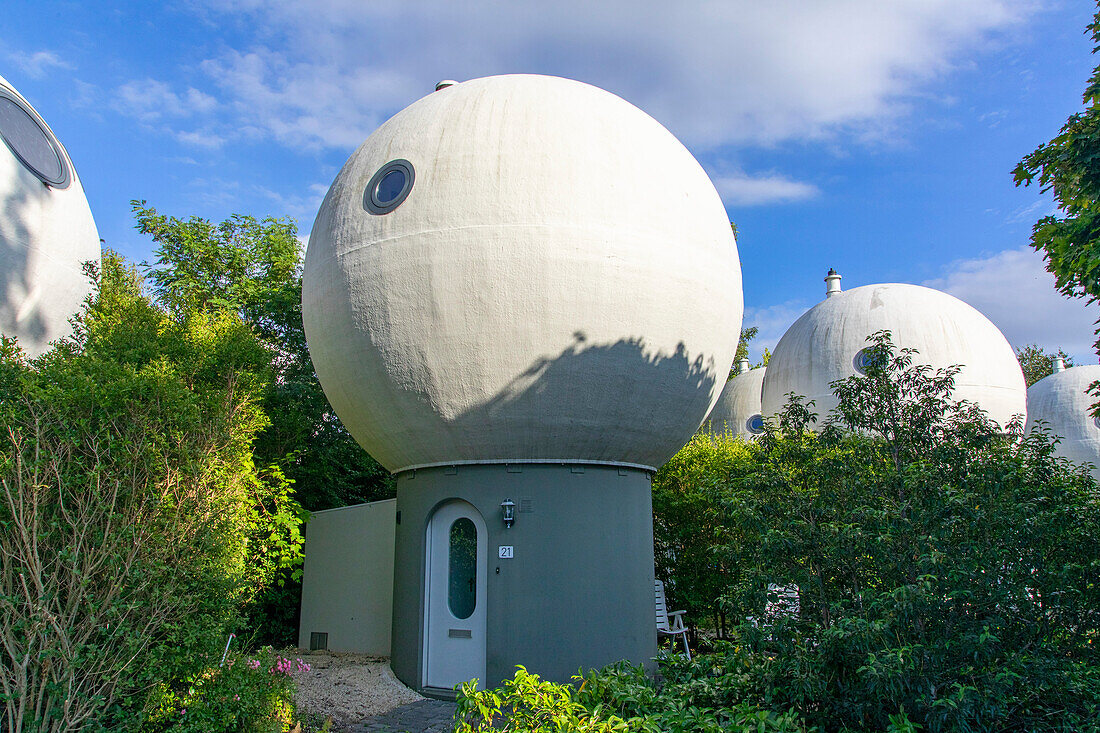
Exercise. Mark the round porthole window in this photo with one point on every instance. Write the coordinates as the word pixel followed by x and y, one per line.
pixel 31 141
pixel 389 187
pixel 864 359
pixel 755 424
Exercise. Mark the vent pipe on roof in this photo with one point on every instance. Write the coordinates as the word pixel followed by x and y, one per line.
pixel 1059 365
pixel 743 366
pixel 832 283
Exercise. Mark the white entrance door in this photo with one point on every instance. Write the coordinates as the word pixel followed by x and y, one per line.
pixel 454 639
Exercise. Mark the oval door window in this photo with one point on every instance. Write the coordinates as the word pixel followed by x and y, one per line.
pixel 462 575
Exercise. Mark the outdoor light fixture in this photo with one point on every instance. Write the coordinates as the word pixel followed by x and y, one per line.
pixel 508 510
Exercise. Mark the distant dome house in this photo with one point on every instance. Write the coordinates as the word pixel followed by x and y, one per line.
pixel 827 343
pixel 46 229
pixel 521 295
pixel 1061 401
pixel 738 408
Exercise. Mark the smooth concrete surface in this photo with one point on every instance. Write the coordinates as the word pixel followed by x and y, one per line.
pixel 46 235
pixel 1061 400
pixel 578 592
pixel 347 577
pixel 823 344
pixel 560 283
pixel 737 405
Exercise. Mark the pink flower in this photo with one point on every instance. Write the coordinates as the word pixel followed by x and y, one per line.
pixel 253 663
pixel 236 697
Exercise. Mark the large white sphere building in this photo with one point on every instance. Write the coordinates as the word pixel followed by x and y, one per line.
pixel 826 344
pixel 561 281
pixel 1061 400
pixel 46 229
pixel 738 408
pixel 521 292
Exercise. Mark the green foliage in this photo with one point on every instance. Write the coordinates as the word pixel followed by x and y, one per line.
pixel 1037 364
pixel 1069 166
pixel 688 495
pixel 127 477
pixel 248 693
pixel 617 698
pixel 942 567
pixel 253 269
pixel 747 335
pixel 250 270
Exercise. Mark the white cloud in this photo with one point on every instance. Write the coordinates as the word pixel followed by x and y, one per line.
pixel 150 100
pixel 773 321
pixel 740 189
pixel 1014 290
pixel 325 73
pixel 37 65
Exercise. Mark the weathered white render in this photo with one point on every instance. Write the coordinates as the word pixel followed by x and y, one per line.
pixel 46 229
pixel 738 408
pixel 1061 401
pixel 823 346
pixel 561 282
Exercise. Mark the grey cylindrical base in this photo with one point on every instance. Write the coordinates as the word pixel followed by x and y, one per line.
pixel 578 592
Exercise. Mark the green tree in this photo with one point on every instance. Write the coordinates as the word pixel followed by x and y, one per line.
pixel 254 269
pixel 1069 166
pixel 1037 364
pixel 941 567
pixel 688 495
pixel 127 490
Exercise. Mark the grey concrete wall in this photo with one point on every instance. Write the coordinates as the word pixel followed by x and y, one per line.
pixel 347 581
pixel 579 591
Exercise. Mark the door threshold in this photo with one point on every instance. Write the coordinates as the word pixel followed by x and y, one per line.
pixel 438 693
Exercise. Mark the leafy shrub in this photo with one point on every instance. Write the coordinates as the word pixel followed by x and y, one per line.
pixel 248 693
pixel 129 528
pixel 617 698
pixel 943 567
pixel 689 493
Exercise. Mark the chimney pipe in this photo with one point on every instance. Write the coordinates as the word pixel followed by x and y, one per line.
pixel 1059 364
pixel 743 366
pixel 832 283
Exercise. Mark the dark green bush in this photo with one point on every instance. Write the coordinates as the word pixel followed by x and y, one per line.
pixel 942 566
pixel 249 693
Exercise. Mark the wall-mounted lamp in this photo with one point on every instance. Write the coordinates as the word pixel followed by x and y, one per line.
pixel 508 512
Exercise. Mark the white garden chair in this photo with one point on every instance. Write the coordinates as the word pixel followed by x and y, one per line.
pixel 669 624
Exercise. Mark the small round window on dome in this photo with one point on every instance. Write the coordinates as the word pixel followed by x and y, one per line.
pixel 31 142
pixel 389 187
pixel 865 359
pixel 755 424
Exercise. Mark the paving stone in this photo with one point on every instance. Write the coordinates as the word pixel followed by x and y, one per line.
pixel 422 716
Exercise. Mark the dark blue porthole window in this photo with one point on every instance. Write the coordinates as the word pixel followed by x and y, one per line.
pixel 388 187
pixel 865 359
pixel 31 142
pixel 755 424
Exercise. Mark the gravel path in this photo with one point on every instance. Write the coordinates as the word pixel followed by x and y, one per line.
pixel 357 689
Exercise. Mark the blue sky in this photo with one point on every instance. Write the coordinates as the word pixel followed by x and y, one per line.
pixel 874 137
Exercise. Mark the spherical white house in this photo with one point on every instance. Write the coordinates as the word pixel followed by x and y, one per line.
pixel 521 294
pixel 826 344
pixel 46 229
pixel 1062 402
pixel 738 409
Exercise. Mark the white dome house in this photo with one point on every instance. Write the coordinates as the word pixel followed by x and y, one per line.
pixel 1061 400
pixel 738 407
pixel 46 229
pixel 826 344
pixel 521 295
